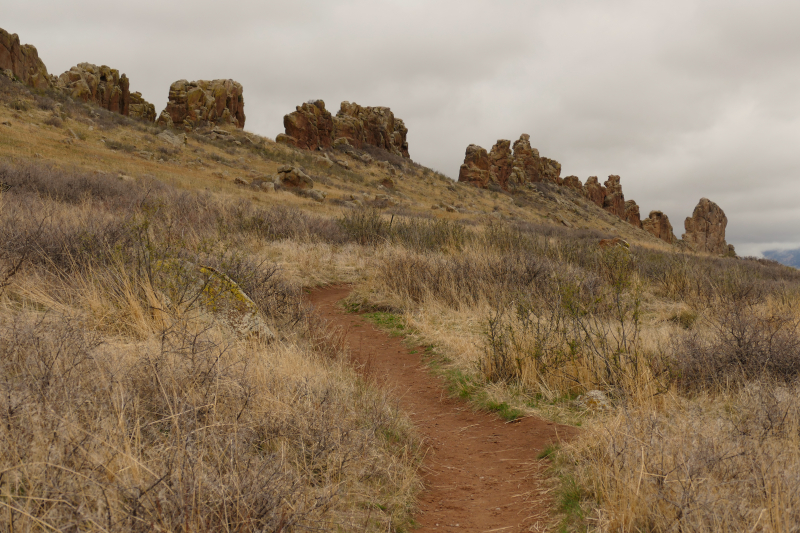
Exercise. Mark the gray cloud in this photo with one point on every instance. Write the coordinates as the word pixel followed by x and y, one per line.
pixel 682 99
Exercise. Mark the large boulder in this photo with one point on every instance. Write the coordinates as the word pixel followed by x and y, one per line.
pixel 501 163
pixel 705 229
pixel 101 85
pixel 535 168
pixel 312 126
pixel 23 61
pixel 573 182
pixel 294 178
pixel 201 102
pixel 657 224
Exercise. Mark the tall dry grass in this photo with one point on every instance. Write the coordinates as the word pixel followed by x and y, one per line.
pixel 128 404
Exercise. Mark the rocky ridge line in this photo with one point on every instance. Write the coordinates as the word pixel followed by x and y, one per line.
pixel 311 126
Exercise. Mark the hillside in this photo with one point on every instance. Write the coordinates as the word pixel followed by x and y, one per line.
pixel 161 367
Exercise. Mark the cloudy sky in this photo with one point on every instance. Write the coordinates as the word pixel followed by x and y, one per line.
pixel 683 99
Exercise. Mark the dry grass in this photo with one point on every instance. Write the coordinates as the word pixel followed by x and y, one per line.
pixel 127 404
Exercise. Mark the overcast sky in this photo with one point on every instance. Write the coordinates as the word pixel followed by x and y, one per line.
pixel 682 99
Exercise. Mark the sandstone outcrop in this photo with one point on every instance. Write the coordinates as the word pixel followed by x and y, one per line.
pixel 107 88
pixel 509 169
pixel 23 61
pixel 311 126
pixel 475 169
pixel 632 215
pixel 658 225
pixel 705 229
pixel 614 200
pixel 101 85
pixel 141 109
pixel 595 192
pixel 196 103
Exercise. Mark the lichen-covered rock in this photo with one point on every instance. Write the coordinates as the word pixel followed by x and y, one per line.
pixel 632 215
pixel 23 61
pixel 376 126
pixel 141 109
pixel 657 224
pixel 312 126
pixel 101 85
pixel 201 102
pixel 705 229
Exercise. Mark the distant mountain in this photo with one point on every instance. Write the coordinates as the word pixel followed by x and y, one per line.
pixel 786 257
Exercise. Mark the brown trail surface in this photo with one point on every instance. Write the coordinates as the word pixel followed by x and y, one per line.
pixel 479 471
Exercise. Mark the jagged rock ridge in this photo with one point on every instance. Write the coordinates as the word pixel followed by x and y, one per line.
pixel 192 104
pixel 311 126
pixel 22 60
pixel 508 169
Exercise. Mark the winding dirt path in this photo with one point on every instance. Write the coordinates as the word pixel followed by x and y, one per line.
pixel 481 473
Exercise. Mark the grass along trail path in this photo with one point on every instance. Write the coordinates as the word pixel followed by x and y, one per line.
pixel 481 473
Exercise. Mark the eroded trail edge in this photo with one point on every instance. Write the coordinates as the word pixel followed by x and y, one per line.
pixel 480 473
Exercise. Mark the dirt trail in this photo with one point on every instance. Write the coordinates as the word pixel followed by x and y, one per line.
pixel 481 473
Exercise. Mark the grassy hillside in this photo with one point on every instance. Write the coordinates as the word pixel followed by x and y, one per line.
pixel 129 400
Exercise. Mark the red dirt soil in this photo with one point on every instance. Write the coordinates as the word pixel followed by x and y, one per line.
pixel 481 474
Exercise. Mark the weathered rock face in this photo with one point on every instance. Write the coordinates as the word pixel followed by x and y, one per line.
pixel 294 178
pixel 509 169
pixel 23 61
pixel 705 229
pixel 194 103
pixel 475 169
pixel 614 201
pixel 376 126
pixel 573 182
pixel 595 192
pixel 632 215
pixel 107 88
pixel 311 126
pixel 102 85
pixel 658 225
pixel 141 108
pixel 501 162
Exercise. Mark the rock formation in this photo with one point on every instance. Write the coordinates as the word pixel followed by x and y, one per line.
pixel 102 85
pixel 658 225
pixel 614 200
pixel 107 88
pixel 475 169
pixel 141 108
pixel 311 126
pixel 595 192
pixel 23 61
pixel 199 102
pixel 506 168
pixel 632 215
pixel 705 229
